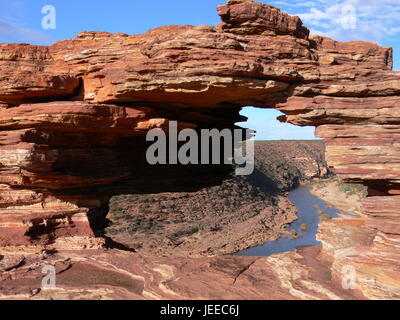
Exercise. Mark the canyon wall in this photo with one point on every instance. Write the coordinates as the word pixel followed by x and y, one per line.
pixel 74 115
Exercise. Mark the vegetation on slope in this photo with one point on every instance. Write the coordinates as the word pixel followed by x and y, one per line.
pixel 185 221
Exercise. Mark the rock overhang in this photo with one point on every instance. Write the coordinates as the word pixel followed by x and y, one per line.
pixel 73 115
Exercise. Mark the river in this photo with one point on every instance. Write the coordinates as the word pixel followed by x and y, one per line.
pixel 307 205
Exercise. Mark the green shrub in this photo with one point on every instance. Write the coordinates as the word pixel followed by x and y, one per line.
pixel 187 230
pixel 137 245
pixel 351 188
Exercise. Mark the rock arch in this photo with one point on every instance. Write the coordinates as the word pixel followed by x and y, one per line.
pixel 73 116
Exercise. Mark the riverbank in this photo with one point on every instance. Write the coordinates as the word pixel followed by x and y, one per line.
pixel 345 197
pixel 229 233
pixel 311 210
pixel 264 227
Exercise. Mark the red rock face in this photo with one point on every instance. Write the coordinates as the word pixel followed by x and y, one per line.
pixel 73 117
pixel 23 75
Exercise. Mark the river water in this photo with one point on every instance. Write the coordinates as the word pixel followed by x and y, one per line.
pixel 307 205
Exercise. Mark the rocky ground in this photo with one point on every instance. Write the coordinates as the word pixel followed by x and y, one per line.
pixel 243 212
pixel 114 274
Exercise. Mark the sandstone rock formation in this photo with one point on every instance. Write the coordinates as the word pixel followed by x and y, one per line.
pixel 114 274
pixel 73 117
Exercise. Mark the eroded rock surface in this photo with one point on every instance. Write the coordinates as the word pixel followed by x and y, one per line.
pixel 114 274
pixel 73 118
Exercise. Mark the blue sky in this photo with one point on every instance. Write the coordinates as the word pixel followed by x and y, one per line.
pixel 345 20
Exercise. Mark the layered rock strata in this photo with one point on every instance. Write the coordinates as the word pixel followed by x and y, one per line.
pixel 73 118
pixel 113 274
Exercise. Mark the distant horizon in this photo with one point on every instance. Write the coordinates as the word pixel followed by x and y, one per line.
pixel 268 128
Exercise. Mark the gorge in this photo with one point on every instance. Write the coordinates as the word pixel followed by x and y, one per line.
pixel 305 226
pixel 73 121
pixel 242 212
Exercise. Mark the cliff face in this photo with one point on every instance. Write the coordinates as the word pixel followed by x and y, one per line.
pixel 73 117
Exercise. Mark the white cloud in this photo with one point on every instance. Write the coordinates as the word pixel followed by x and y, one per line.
pixel 13 24
pixel 345 20
pixel 306 4
pixel 12 33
